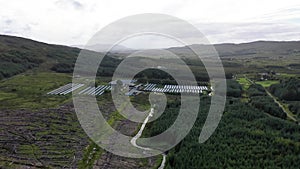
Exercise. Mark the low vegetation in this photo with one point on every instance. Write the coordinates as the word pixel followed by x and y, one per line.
pixel 267 83
pixel 29 91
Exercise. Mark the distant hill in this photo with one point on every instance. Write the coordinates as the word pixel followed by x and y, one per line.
pixel 252 49
pixel 18 55
pixel 103 47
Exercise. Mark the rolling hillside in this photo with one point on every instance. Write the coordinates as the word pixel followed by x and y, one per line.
pixel 258 48
pixel 19 54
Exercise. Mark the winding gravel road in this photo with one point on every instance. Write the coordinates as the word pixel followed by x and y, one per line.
pixel 139 134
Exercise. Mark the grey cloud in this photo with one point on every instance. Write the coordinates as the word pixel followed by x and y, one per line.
pixel 216 33
pixel 8 21
pixel 14 27
pixel 282 15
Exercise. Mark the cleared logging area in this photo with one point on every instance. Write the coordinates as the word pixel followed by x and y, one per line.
pixel 48 138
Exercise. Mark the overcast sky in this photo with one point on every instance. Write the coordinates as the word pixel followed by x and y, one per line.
pixel 73 22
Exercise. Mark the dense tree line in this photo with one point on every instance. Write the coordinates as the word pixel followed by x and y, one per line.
pixel 106 68
pixel 18 55
pixel 234 89
pixel 63 68
pixel 245 138
pixel 267 105
pixel 288 90
pixel 260 100
pixel 256 90
pixel 295 108
pixel 294 65
pixel 14 62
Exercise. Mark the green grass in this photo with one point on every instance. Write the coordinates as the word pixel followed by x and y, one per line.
pixel 91 154
pixel 244 82
pixel 286 108
pixel 267 83
pixel 30 90
pixel 141 102
pixel 286 75
pixel 115 116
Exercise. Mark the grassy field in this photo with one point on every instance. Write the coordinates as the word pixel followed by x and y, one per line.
pixel 286 75
pixel 244 82
pixel 91 154
pixel 30 91
pixel 267 83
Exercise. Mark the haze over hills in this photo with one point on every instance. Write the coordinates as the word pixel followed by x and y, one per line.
pixel 259 48
pixel 224 49
pixel 103 47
